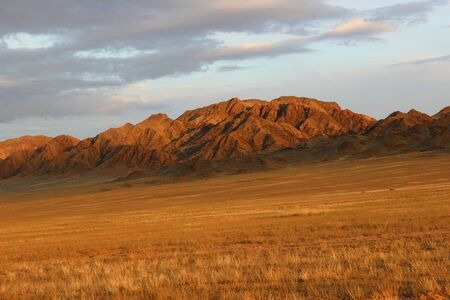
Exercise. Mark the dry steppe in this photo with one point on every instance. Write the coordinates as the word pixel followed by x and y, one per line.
pixel 348 229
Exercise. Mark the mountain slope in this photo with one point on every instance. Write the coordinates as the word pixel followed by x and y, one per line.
pixel 25 143
pixel 50 157
pixel 236 129
pixel 398 133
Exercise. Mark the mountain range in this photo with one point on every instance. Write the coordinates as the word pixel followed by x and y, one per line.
pixel 229 131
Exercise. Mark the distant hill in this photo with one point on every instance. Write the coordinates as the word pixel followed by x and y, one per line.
pixel 230 131
pixel 25 143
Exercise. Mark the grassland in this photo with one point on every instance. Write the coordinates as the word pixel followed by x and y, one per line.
pixel 373 228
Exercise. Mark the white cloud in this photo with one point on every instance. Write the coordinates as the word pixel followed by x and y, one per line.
pixel 411 13
pixel 23 40
pixel 110 53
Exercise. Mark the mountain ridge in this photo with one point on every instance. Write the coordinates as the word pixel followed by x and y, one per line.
pixel 230 130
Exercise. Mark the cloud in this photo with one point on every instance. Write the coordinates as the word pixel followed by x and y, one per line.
pixel 21 40
pixel 159 19
pixel 19 102
pixel 437 59
pixel 63 51
pixel 361 26
pixel 358 29
pixel 410 12
pixel 6 83
pixel 370 24
pixel 230 68
pixel 72 57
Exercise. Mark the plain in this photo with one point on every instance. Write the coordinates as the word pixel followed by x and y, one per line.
pixel 347 229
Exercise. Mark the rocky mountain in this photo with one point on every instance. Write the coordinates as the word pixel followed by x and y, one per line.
pixel 231 130
pixel 50 156
pixel 398 133
pixel 25 143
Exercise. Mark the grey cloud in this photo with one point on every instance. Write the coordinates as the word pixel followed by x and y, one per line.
pixel 170 37
pixel 410 12
pixel 369 25
pixel 33 101
pixel 444 58
pixel 120 21
pixel 230 68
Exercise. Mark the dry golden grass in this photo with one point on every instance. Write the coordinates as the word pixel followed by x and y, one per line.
pixel 374 228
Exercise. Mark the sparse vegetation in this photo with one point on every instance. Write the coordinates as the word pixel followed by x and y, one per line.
pixel 376 228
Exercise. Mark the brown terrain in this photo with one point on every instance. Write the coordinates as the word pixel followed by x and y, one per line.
pixel 232 130
pixel 246 199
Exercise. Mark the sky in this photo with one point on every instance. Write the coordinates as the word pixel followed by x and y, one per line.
pixel 80 67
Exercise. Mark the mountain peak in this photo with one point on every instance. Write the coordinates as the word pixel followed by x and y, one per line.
pixel 155 120
pixel 443 112
pixel 395 114
pixel 417 114
pixel 65 139
pixel 157 117
pixel 412 115
pixel 234 100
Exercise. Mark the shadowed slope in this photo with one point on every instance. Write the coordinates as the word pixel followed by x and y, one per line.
pixel 412 130
pixel 51 156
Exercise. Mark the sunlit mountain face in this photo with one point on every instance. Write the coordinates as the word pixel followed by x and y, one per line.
pixel 251 131
pixel 80 67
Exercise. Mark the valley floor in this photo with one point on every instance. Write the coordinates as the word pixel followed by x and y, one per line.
pixel 360 229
